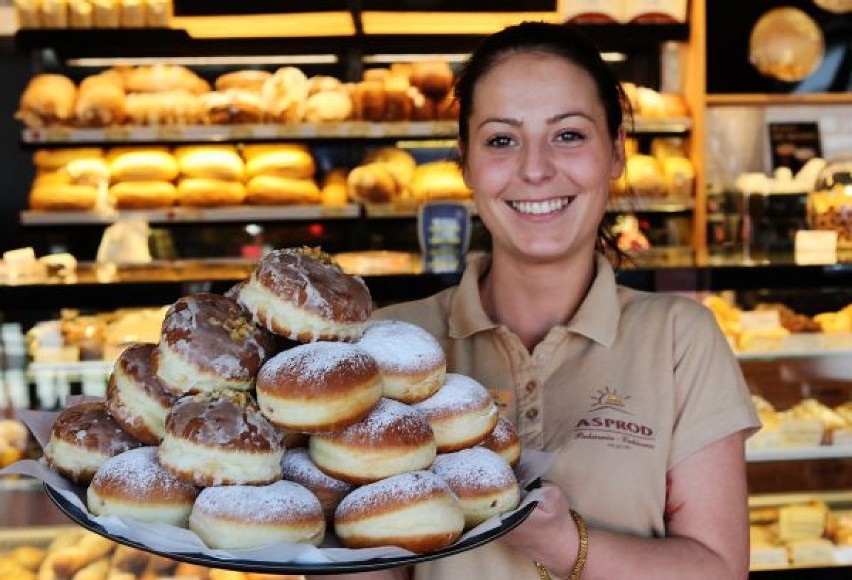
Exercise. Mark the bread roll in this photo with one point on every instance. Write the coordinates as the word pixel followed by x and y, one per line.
pixel 233 106
pixel 27 13
pixel 93 172
pixel 333 190
pixel 439 180
pixel 54 159
pixel 158 13
pixel 54 13
pixel 143 194
pixel 274 190
pixel 47 100
pixel 100 101
pixel 284 160
pixel 645 176
pixel 285 93
pixel 80 14
pixel 106 13
pixel 433 77
pixel 63 197
pixel 164 77
pixel 214 161
pixel 250 80
pixel 144 165
pixel 175 107
pixel 399 163
pixel 328 106
pixel 203 192
pixel 372 182
pixel 132 13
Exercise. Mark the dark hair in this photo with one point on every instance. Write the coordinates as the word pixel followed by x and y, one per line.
pixel 561 40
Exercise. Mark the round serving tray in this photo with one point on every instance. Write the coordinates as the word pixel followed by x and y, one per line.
pixel 85 520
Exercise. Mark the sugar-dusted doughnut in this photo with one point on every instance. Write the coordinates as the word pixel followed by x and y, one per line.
pixel 136 398
pixel 134 484
pixel 412 362
pixel 220 439
pixel 462 413
pixel 297 466
pixel 318 386
pixel 236 517
pixel 504 441
pixel 392 439
pixel 209 342
pixel 302 295
pixel 82 438
pixel 416 511
pixel 482 480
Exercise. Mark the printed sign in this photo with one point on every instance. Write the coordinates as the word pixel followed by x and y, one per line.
pixel 443 230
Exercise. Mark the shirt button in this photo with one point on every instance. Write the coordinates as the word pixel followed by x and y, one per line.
pixel 531 414
pixel 531 387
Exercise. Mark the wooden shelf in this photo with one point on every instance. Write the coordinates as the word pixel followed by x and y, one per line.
pixel 765 99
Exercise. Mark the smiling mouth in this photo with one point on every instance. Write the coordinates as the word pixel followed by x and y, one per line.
pixel 542 207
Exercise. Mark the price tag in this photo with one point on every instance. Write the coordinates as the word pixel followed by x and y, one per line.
pixel 443 230
pixel 816 247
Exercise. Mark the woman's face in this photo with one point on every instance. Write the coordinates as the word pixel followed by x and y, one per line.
pixel 539 157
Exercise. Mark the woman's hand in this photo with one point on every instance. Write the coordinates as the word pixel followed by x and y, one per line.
pixel 549 535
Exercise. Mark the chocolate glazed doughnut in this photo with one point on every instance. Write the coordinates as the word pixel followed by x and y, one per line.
pixel 302 295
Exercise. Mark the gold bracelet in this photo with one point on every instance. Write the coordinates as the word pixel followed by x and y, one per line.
pixel 583 532
pixel 580 563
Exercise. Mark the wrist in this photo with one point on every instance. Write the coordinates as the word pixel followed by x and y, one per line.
pixel 576 571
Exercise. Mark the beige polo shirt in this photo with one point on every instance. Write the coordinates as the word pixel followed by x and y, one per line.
pixel 633 384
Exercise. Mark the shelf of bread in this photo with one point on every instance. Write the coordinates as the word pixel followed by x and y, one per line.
pixel 800 530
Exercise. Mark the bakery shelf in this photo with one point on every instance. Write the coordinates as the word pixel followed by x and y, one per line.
pixel 342 131
pixel 651 204
pixel 808 346
pixel 245 213
pixel 799 453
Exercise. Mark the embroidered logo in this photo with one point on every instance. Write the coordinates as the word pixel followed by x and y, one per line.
pixel 610 421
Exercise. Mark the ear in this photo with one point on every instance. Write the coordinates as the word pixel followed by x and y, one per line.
pixel 618 154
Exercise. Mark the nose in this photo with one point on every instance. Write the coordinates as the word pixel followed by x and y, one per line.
pixel 536 165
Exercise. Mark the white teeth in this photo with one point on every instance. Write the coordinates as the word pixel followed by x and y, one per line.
pixel 540 207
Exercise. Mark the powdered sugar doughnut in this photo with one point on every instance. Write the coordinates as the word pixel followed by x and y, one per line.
pixel 392 439
pixel 412 362
pixel 318 386
pixel 482 480
pixel 415 511
pixel 209 342
pixel 134 484
pixel 302 295
pixel 235 517
pixel 136 398
pixel 220 439
pixel 462 413
pixel 82 438
pixel 297 466
pixel 504 441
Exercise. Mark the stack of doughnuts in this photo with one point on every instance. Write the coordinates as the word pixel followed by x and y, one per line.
pixel 198 425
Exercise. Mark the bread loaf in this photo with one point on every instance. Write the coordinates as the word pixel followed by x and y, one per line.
pixel 47 100
pixel 205 192
pixel 212 161
pixel 144 165
pixel 275 190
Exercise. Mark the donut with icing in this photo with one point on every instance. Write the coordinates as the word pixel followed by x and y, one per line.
pixel 136 398
pixel 462 413
pixel 302 295
pixel 298 467
pixel 209 342
pixel 504 441
pixel 82 438
pixel 412 362
pixel 415 511
pixel 236 517
pixel 134 484
pixel 393 438
pixel 482 480
pixel 220 439
pixel 318 386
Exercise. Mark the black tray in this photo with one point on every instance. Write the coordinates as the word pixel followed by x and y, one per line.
pixel 85 520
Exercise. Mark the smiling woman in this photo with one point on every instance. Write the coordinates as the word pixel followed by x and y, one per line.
pixel 637 395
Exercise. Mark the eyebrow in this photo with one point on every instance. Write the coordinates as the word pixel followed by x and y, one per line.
pixel 549 121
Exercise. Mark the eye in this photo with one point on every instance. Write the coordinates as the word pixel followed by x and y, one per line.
pixel 499 141
pixel 569 136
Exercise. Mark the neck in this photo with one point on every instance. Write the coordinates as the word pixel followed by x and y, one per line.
pixel 530 299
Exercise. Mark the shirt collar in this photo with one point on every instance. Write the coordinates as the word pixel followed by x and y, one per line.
pixel 597 318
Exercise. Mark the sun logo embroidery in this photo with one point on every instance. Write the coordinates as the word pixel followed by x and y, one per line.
pixel 609 399
pixel 606 422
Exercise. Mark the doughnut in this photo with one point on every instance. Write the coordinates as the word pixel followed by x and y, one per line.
pixel 82 438
pixel 416 511
pixel 504 441
pixel 220 439
pixel 236 517
pixel 462 413
pixel 392 439
pixel 136 398
pixel 134 484
pixel 411 360
pixel 297 466
pixel 318 386
pixel 302 295
pixel 482 480
pixel 208 342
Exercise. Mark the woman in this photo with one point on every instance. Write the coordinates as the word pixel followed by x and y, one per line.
pixel 637 394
